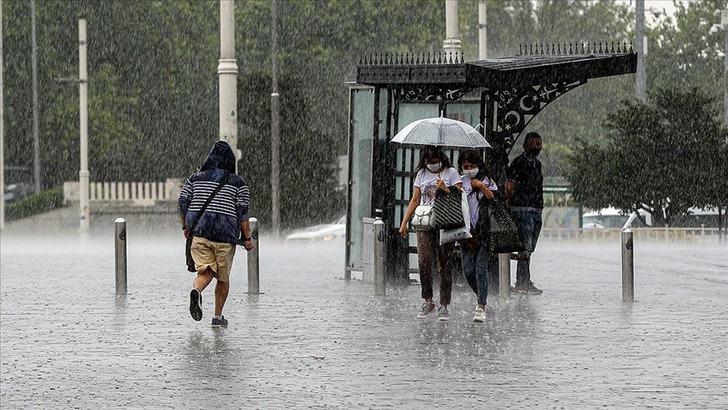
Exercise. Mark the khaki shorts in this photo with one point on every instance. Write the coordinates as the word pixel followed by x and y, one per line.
pixel 216 255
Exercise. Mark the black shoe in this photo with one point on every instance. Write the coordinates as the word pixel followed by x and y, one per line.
pixel 222 322
pixel 533 290
pixel 196 304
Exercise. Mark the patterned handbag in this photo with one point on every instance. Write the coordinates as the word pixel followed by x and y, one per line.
pixel 448 208
pixel 501 228
pixel 424 218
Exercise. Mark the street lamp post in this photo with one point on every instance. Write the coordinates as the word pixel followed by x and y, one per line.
pixel 275 143
pixel 2 126
pixel 83 174
pixel 34 78
pixel 452 45
pixel 227 71
pixel 482 31
pixel 724 23
pixel 641 85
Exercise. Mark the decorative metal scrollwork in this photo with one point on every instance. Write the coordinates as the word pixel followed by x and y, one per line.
pixel 514 108
pixel 419 94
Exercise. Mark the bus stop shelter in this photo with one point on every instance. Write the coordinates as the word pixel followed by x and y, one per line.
pixel 499 96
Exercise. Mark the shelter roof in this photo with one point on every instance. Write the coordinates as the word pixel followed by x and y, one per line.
pixel 540 67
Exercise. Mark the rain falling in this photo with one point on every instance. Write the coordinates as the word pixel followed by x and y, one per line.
pixel 363 203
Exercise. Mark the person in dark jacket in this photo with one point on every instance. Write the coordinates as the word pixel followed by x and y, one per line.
pixel 524 191
pixel 219 227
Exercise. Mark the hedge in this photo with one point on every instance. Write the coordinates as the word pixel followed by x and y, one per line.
pixel 43 201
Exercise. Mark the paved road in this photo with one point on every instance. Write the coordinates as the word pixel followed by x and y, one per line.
pixel 314 340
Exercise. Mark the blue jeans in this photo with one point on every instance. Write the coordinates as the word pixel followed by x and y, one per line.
pixel 475 259
pixel 529 227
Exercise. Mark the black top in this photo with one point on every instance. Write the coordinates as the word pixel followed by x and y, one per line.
pixel 525 172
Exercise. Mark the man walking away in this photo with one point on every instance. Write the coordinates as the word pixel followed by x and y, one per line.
pixel 524 190
pixel 217 228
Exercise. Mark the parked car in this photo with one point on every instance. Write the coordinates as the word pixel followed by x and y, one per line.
pixel 14 192
pixel 614 218
pixel 320 233
pixel 18 183
pixel 611 218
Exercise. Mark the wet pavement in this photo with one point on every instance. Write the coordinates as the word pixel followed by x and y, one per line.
pixel 315 340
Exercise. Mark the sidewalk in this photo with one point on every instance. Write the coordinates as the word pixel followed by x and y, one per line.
pixel 314 340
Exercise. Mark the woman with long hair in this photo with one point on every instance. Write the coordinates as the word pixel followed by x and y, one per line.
pixel 434 173
pixel 474 251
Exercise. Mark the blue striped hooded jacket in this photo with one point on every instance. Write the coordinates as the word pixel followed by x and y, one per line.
pixel 221 220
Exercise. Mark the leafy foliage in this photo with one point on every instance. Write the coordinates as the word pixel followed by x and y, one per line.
pixel 668 154
pixel 153 84
pixel 35 204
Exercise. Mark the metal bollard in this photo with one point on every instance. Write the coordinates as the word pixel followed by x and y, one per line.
pixel 504 275
pixel 379 257
pixel 627 266
pixel 253 261
pixel 120 252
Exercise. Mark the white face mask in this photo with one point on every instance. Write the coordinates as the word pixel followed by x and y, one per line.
pixel 471 173
pixel 434 167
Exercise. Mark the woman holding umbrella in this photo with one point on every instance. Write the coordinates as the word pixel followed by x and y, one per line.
pixel 434 173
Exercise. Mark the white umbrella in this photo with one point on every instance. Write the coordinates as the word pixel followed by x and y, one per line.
pixel 441 132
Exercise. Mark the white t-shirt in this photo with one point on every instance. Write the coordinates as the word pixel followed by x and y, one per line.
pixel 425 181
pixel 474 196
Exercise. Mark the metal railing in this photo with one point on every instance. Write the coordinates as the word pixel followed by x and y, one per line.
pixel 151 191
pixel 128 191
pixel 643 234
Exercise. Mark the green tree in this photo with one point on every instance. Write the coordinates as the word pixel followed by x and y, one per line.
pixel 667 154
pixel 686 52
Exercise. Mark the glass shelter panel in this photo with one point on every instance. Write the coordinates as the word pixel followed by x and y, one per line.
pixel 360 152
pixel 467 112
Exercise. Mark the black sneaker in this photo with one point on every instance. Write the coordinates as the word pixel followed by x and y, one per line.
pixel 426 309
pixel 442 314
pixel 196 304
pixel 222 322
pixel 533 290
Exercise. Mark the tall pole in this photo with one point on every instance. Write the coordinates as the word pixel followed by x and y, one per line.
pixel 452 46
pixel 641 85
pixel 482 31
pixel 2 126
pixel 34 69
pixel 724 23
pixel 227 71
pixel 83 174
pixel 275 143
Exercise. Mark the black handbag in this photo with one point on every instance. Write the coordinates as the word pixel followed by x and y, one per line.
pixel 497 224
pixel 448 209
pixel 188 244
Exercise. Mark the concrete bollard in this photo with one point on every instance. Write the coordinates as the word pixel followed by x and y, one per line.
pixel 627 266
pixel 504 275
pixel 379 257
pixel 120 252
pixel 253 260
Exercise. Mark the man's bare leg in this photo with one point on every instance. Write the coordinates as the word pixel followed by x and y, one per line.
pixel 200 283
pixel 221 293
pixel 203 279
